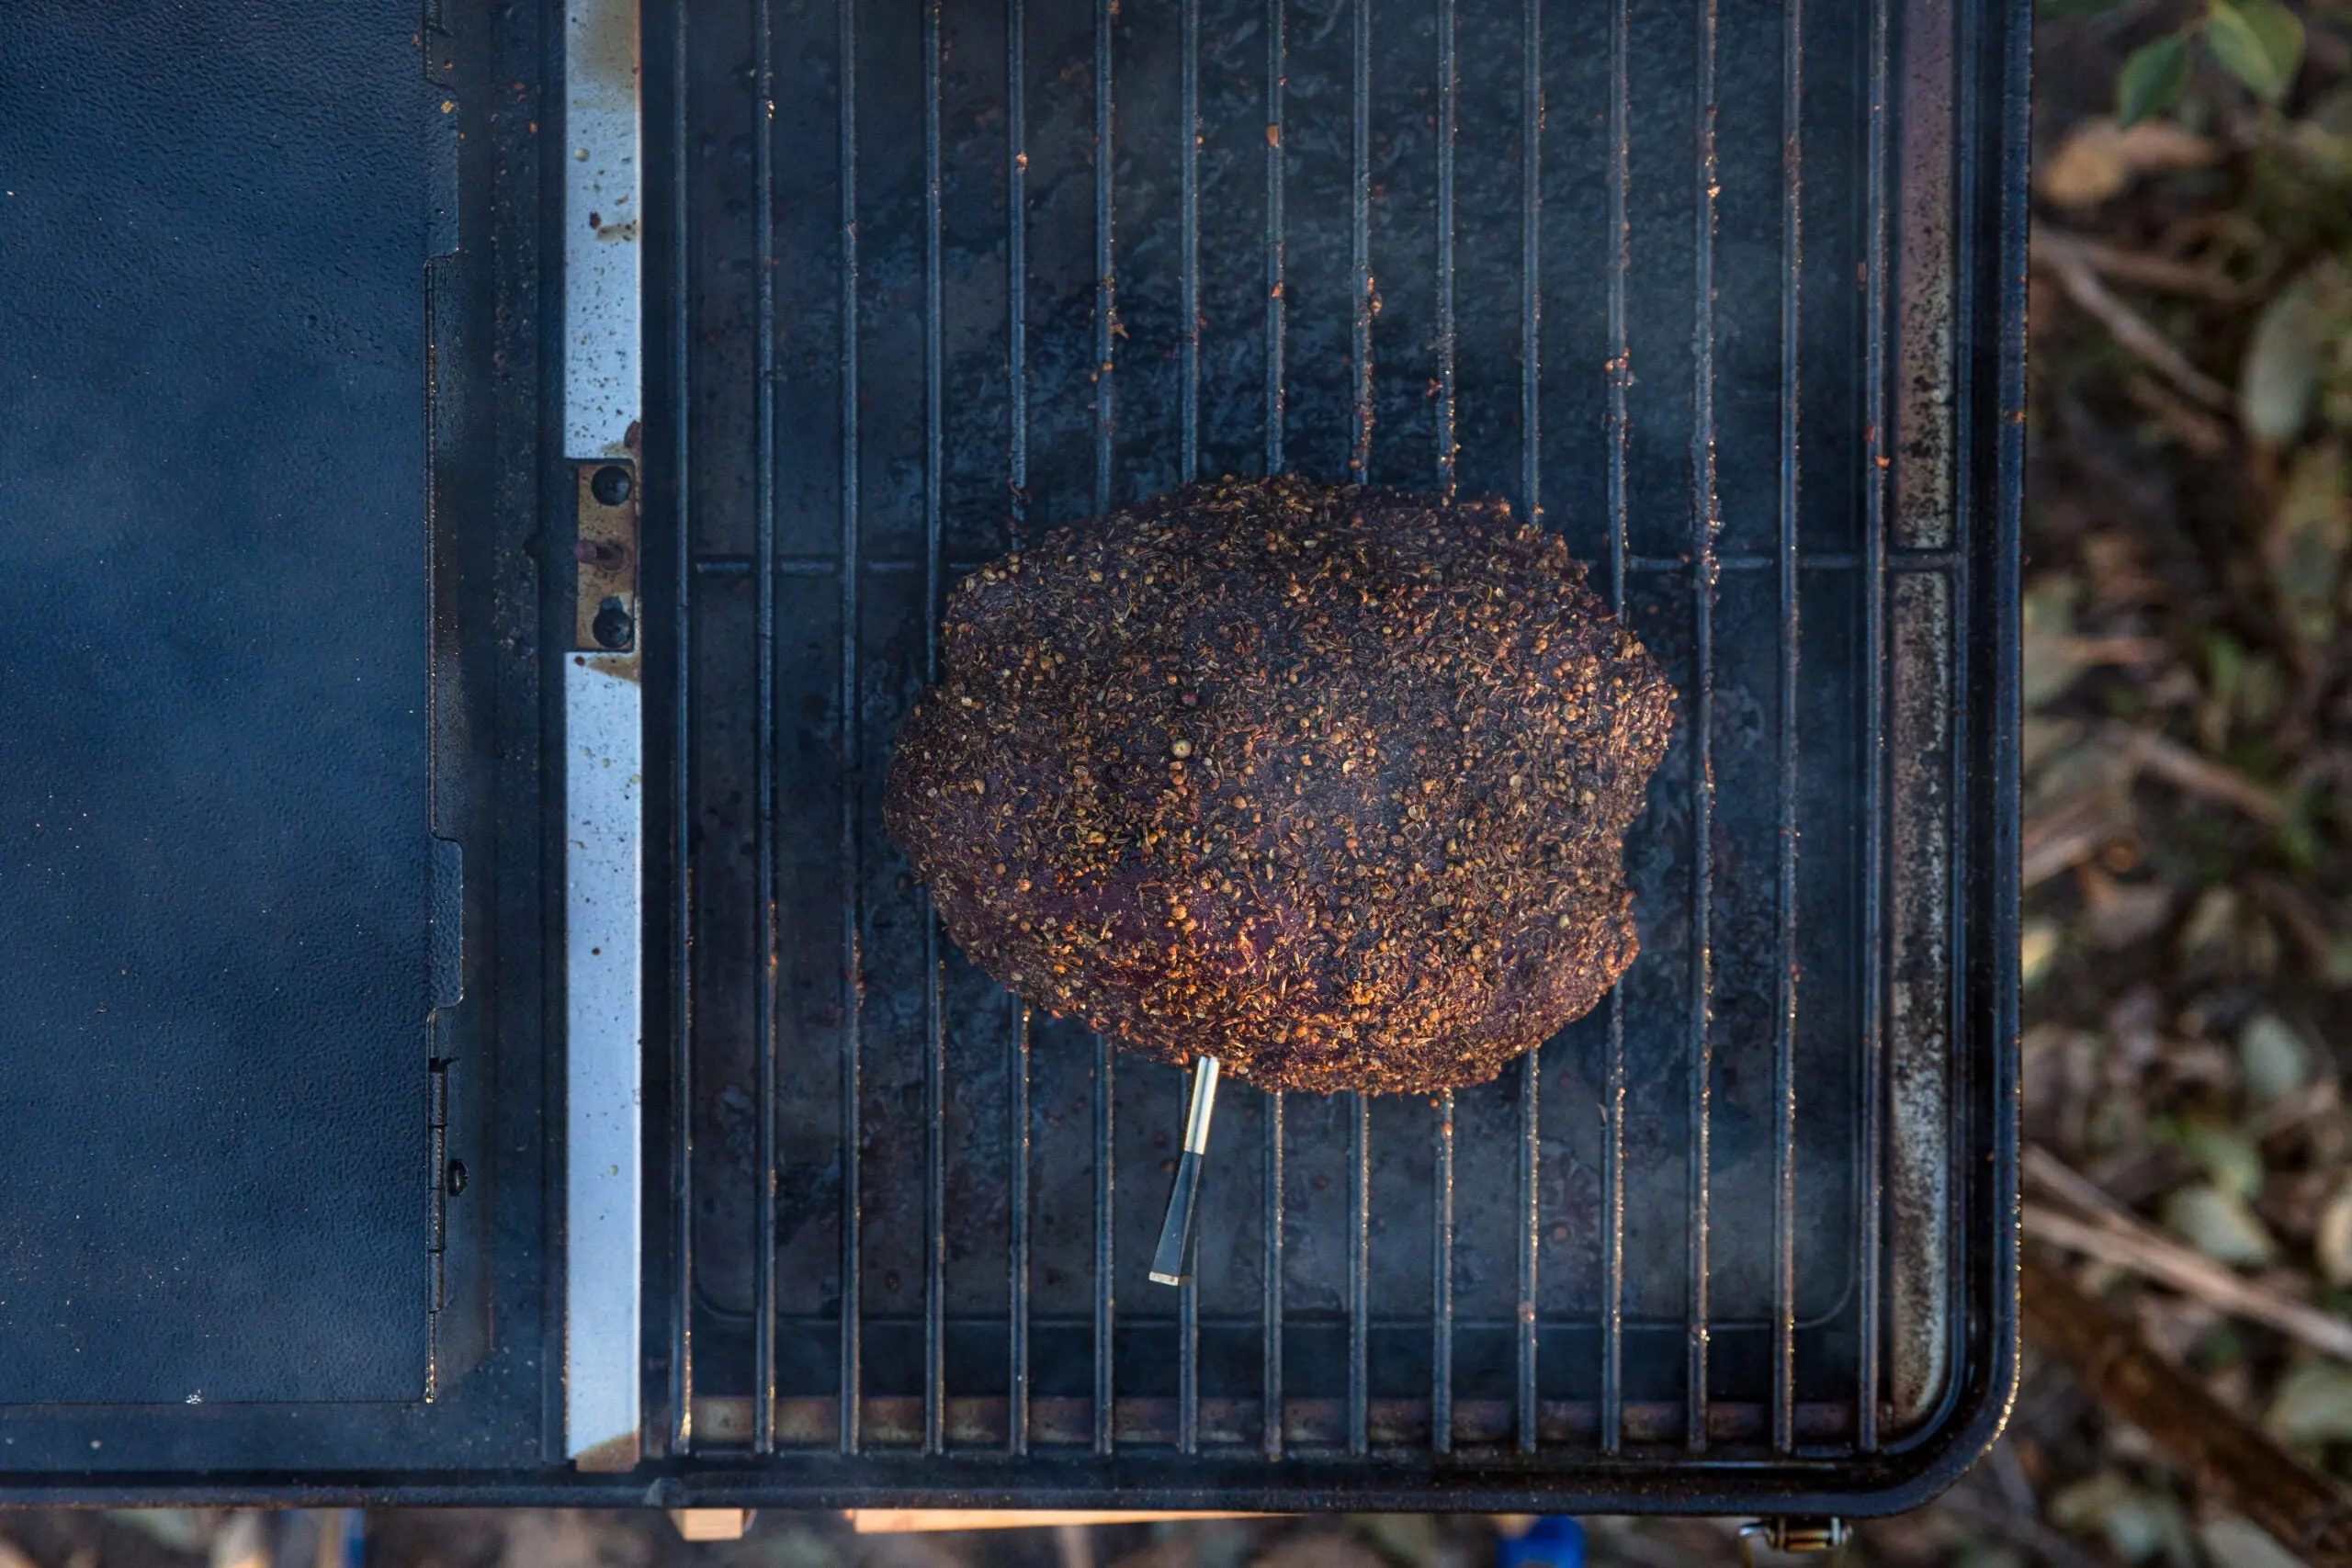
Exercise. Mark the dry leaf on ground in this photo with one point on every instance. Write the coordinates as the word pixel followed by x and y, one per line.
pixel 2098 159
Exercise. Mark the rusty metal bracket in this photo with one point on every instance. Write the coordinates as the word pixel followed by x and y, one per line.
pixel 604 619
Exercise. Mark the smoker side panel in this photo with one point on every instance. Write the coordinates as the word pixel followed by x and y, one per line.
pixel 216 782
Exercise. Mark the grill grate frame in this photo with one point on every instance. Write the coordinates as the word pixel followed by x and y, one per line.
pixel 759 1424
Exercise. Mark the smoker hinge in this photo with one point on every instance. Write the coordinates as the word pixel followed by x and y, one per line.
pixel 437 1155
pixel 437 1167
pixel 1798 1533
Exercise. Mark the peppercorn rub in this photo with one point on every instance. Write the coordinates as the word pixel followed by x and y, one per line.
pixel 1330 784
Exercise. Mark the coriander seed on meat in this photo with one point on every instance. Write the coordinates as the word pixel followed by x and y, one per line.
pixel 1329 782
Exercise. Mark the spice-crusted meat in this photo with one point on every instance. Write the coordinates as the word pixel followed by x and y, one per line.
pixel 1329 783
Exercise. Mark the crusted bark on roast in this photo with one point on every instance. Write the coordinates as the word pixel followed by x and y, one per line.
pixel 1331 784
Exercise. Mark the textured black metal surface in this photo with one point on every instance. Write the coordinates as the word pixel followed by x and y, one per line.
pixel 213 792
pixel 956 271
pixel 271 398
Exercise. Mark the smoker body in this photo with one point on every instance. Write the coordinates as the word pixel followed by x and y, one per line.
pixel 340 323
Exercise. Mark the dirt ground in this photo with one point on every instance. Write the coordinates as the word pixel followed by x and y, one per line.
pixel 2188 857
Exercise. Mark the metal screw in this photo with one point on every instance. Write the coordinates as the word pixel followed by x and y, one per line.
pixel 609 485
pixel 455 1178
pixel 613 625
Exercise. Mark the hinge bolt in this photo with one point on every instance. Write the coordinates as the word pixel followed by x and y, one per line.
pixel 610 485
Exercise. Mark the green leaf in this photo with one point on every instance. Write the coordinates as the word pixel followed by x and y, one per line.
pixel 2273 1058
pixel 2308 540
pixel 2137 1521
pixel 2153 78
pixel 2086 1504
pixel 2227 1156
pixel 2260 42
pixel 2053 658
pixel 2037 951
pixel 2332 1237
pixel 2312 1405
pixel 2219 1224
pixel 2280 373
pixel 2231 1542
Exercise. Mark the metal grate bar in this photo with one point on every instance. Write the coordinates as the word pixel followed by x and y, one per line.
pixel 1531 1219
pixel 1106 285
pixel 1449 90
pixel 1447 125
pixel 1105 324
pixel 1637 566
pixel 763 1204
pixel 1359 1273
pixel 853 957
pixel 1277 72
pixel 1272 1313
pixel 1785 1066
pixel 1188 1294
pixel 1441 1284
pixel 1530 261
pixel 935 1061
pixel 1869 1179
pixel 1016 1439
pixel 1016 376
pixel 1386 1319
pixel 681 908
pixel 1016 266
pixel 1706 520
pixel 1530 315
pixel 1360 468
pixel 1359 241
pixel 1966 275
pixel 1270 1352
pixel 1189 262
pixel 1449 104
pixel 1612 1101
pixel 1105 1254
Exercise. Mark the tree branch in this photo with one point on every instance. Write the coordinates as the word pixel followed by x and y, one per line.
pixel 2231 1460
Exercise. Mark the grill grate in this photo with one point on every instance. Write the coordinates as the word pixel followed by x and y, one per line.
pixel 1691 283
